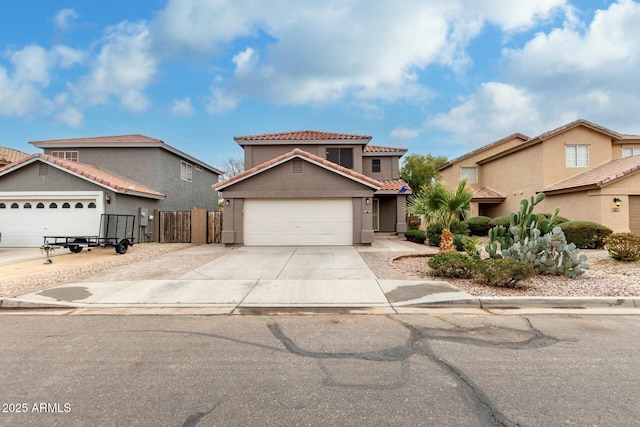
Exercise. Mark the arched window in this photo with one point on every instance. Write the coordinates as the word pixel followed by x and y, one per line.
pixel 53 206
pixel 79 205
pixel 3 206
pixel 14 206
pixel 40 205
pixel 92 205
pixel 66 205
pixel 27 205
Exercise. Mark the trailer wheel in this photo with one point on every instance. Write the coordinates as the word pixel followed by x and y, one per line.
pixel 77 248
pixel 122 247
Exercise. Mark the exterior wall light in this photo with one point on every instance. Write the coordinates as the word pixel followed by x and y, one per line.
pixel 108 199
pixel 367 200
pixel 227 202
pixel 617 201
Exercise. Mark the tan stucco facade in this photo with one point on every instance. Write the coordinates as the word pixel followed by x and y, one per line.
pixel 518 168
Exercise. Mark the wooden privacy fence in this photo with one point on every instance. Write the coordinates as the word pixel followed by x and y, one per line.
pixel 196 226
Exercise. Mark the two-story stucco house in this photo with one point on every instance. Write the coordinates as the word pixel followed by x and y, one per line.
pixel 588 171
pixel 313 188
pixel 65 190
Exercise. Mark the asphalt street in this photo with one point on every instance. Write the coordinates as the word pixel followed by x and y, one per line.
pixel 443 369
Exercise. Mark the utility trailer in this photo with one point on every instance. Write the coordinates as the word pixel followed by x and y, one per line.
pixel 115 230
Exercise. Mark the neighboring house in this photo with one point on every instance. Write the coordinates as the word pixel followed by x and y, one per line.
pixel 588 171
pixel 65 190
pixel 9 155
pixel 313 188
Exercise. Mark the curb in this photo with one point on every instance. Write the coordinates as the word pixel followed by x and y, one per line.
pixel 477 303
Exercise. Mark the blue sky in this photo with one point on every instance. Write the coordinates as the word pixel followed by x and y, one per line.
pixel 439 76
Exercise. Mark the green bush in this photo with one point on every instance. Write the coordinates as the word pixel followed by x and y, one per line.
pixel 453 264
pixel 585 234
pixel 623 246
pixel 503 220
pixel 416 236
pixel 460 241
pixel 505 273
pixel 478 225
pixel 434 231
pixel 559 219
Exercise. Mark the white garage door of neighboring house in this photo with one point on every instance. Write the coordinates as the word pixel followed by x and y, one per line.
pixel 25 220
pixel 298 222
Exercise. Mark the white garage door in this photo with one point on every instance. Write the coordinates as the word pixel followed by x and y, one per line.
pixel 24 221
pixel 298 222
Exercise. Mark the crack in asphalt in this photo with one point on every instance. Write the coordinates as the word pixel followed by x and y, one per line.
pixel 418 343
pixel 194 419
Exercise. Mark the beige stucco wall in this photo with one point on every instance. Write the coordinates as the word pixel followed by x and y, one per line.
pixel 554 167
pixel 451 175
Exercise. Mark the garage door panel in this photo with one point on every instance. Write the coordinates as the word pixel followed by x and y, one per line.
pixel 298 222
pixel 25 227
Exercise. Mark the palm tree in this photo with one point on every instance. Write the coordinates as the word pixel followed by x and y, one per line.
pixel 444 206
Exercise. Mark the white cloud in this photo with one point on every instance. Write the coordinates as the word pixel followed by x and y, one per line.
pixel 220 101
pixel 124 67
pixel 183 107
pixel 64 19
pixel 512 15
pixel 404 133
pixel 494 111
pixel 70 116
pixel 578 71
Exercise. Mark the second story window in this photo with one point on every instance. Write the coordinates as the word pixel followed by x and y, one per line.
pixel 470 174
pixel 375 165
pixel 630 151
pixel 185 171
pixel 67 155
pixel 341 156
pixel 577 156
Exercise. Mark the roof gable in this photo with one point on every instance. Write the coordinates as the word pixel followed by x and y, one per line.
pixel 298 153
pixel 89 173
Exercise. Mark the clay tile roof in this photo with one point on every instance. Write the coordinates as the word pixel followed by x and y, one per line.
pixel 487 193
pixel 92 173
pixel 573 124
pixel 302 135
pixel 600 175
pixel 297 153
pixel 118 139
pixel 9 155
pixel 395 185
pixel 380 149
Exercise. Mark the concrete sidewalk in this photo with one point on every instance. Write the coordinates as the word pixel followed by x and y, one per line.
pixel 251 278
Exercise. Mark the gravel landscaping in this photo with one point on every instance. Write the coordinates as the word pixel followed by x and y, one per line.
pixel 30 276
pixel 605 277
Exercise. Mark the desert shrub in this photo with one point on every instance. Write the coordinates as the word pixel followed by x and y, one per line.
pixel 453 264
pixel 416 236
pixel 506 273
pixel 585 234
pixel 473 247
pixel 460 241
pixel 503 220
pixel 434 231
pixel 559 219
pixel 623 246
pixel 478 225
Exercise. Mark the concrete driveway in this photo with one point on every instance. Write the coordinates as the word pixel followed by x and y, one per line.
pixel 261 277
pixel 287 263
